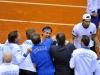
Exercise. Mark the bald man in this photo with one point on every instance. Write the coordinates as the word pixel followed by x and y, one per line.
pixel 7 68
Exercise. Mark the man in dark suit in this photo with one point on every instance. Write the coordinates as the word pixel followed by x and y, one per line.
pixel 61 54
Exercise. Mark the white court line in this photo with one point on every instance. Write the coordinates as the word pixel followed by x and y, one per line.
pixel 36 22
pixel 44 4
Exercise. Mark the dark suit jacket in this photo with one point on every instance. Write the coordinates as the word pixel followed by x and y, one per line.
pixel 61 56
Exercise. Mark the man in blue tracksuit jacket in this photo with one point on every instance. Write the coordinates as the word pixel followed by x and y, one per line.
pixel 41 57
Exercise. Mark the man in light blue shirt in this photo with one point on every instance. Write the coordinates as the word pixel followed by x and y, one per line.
pixel 83 60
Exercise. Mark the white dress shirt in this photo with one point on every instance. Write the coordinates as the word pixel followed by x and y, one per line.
pixel 27 63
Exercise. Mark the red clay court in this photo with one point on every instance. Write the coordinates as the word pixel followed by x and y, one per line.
pixel 61 15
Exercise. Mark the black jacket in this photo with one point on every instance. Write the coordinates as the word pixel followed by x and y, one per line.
pixel 61 56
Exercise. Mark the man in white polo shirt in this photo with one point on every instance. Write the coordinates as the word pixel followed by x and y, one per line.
pixel 84 60
pixel 7 68
pixel 85 28
pixel 27 67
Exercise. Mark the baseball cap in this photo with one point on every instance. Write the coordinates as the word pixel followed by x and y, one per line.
pixel 87 16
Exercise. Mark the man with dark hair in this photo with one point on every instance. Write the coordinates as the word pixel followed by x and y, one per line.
pixel 46 36
pixel 61 54
pixel 84 60
pixel 47 31
pixel 35 38
pixel 61 39
pixel 29 32
pixel 41 57
pixel 13 37
pixel 85 40
pixel 27 67
pixel 13 47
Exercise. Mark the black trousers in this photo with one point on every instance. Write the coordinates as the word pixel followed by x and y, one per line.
pixel 26 72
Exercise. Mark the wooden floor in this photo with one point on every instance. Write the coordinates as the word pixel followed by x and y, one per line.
pixel 61 15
